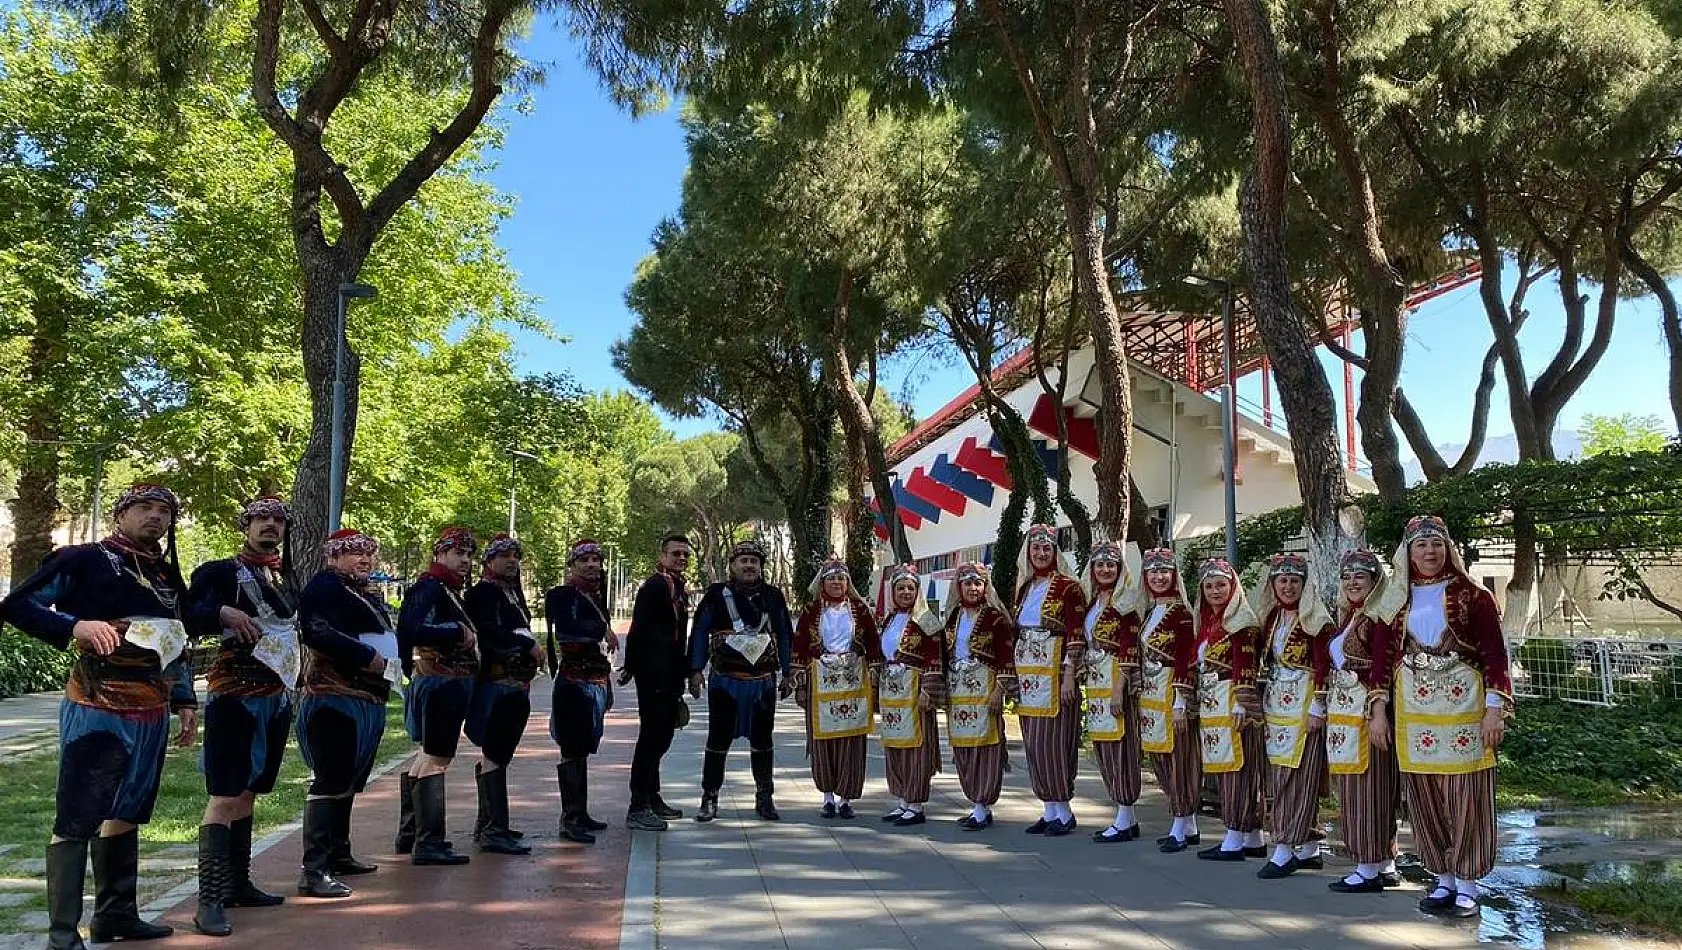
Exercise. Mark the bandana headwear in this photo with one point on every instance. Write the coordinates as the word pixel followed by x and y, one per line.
pixel 1424 526
pixel 900 572
pixel 351 541
pixel 1047 534
pixel 503 544
pixel 453 538
pixel 1159 559
pixel 582 548
pixel 1128 592
pixel 832 566
pixel 970 571
pixel 1287 565
pixel 1363 561
pixel 1041 532
pixel 1107 552
pixel 748 549
pixel 145 491
pixel 267 506
pixel 1238 614
pixel 1386 604
pixel 1216 567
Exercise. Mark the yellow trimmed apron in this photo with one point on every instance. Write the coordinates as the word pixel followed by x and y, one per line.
pixel 1285 703
pixel 1439 716
pixel 1098 681
pixel 899 721
pixel 969 716
pixel 1039 658
pixel 1346 724
pixel 840 696
pixel 1156 708
pixel 1218 729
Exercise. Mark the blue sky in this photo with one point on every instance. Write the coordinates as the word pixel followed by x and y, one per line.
pixel 590 184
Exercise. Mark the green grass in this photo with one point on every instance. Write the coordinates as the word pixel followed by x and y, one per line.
pixel 1653 906
pixel 28 786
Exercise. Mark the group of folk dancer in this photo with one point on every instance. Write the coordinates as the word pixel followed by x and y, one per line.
pixel 1405 692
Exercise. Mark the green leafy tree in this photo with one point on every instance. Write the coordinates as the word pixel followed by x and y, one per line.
pixel 1622 434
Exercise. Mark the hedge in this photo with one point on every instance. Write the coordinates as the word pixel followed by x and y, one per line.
pixel 29 666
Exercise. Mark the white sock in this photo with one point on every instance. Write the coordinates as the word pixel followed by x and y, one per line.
pixel 1281 854
pixel 829 798
pixel 1309 850
pixel 899 804
pixel 1468 889
pixel 1178 829
pixel 1048 812
pixel 1445 882
pixel 1064 812
pixel 1355 877
pixel 914 809
pixel 1366 871
pixel 979 813
pixel 1124 817
pixel 1253 839
pixel 1233 841
pixel 1388 867
pixel 839 801
pixel 1190 827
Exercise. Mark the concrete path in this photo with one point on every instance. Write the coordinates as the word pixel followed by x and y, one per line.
pixel 28 723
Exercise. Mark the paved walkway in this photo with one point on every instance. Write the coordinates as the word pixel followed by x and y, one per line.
pixel 28 723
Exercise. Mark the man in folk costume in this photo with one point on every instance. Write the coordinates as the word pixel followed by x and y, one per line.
pixel 743 631
pixel 1050 616
pixel 908 686
pixel 1230 719
pixel 247 604
pixel 1453 698
pixel 1357 667
pixel 350 668
pixel 1110 680
pixel 1297 628
pixel 440 647
pixel 580 639
pixel 1168 721
pixel 118 601
pixel 836 645
pixel 509 658
pixel 657 658
pixel 980 669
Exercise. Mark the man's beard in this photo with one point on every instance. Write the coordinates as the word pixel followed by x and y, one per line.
pixel 266 544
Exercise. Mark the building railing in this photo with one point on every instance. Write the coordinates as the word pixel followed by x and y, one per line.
pixel 1598 671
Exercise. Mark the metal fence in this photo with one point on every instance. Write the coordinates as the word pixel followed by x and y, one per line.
pixel 1598 671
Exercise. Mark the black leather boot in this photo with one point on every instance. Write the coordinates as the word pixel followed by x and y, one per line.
pixel 764 785
pixel 67 862
pixel 709 807
pixel 116 909
pixel 344 863
pixel 215 880
pixel 405 815
pixel 245 893
pixel 584 819
pixel 315 876
pixel 493 805
pixel 431 848
pixel 483 818
pixel 571 776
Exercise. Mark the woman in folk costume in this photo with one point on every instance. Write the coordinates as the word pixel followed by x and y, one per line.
pixel 908 685
pixel 1110 679
pixel 1050 615
pixel 835 645
pixel 1357 668
pixel 1168 696
pixel 1230 720
pixel 980 668
pixel 1453 697
pixel 1296 628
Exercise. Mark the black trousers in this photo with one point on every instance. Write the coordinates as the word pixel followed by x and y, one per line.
pixel 657 706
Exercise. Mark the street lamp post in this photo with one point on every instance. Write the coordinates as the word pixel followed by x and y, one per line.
pixel 1229 407
pixel 336 461
pixel 514 457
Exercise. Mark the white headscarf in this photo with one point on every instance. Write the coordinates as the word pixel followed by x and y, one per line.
pixel 1129 592
pixel 1060 559
pixel 920 613
pixel 955 597
pixel 1312 615
pixel 1395 595
pixel 1238 614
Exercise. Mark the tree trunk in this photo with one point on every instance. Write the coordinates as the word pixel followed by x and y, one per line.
pixel 1109 351
pixel 863 434
pixel 1080 519
pixel 1671 322
pixel 324 269
pixel 1028 487
pixel 36 511
pixel 1385 329
pixel 809 522
pixel 860 520
pixel 1303 388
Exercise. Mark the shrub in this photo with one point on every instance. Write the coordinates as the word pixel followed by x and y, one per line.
pixel 29 666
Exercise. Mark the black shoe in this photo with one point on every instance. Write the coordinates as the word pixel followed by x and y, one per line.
pixel 1368 885
pixel 574 781
pixel 116 872
pixel 1216 854
pixel 405 842
pixel 764 807
pixel 495 837
pixel 644 819
pixel 828 810
pixel 215 880
pixel 1173 845
pixel 1060 828
pixel 709 807
pixel 1433 904
pixel 1193 840
pixel 910 818
pixel 1390 879
pixel 245 893
pixel 1039 827
pixel 315 877
pixel 845 812
pixel 432 849
pixel 322 884
pixel 1273 872
pixel 894 815
pixel 67 864
pixel 664 810
pixel 591 824
pixel 1316 863
pixel 496 841
pixel 1260 852
pixel 1114 834
pixel 344 863
pixel 969 822
pixel 1459 911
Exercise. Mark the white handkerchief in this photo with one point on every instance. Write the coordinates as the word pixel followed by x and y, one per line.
pixel 394 675
pixel 278 650
pixel 750 645
pixel 166 638
pixel 385 644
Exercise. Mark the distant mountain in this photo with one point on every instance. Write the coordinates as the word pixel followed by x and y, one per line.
pixel 1498 448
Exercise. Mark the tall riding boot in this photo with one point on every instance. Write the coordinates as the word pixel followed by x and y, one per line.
pixel 431 848
pixel 712 779
pixel 67 862
pixel 571 777
pixel 315 876
pixel 116 907
pixel 764 785
pixel 345 863
pixel 483 818
pixel 584 819
pixel 493 804
pixel 215 880
pixel 405 814
pixel 245 893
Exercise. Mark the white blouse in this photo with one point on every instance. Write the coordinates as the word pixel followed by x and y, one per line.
pixel 1281 633
pixel 893 633
pixel 1427 613
pixel 1032 603
pixel 835 628
pixel 1339 658
pixel 966 627
pixel 1092 621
